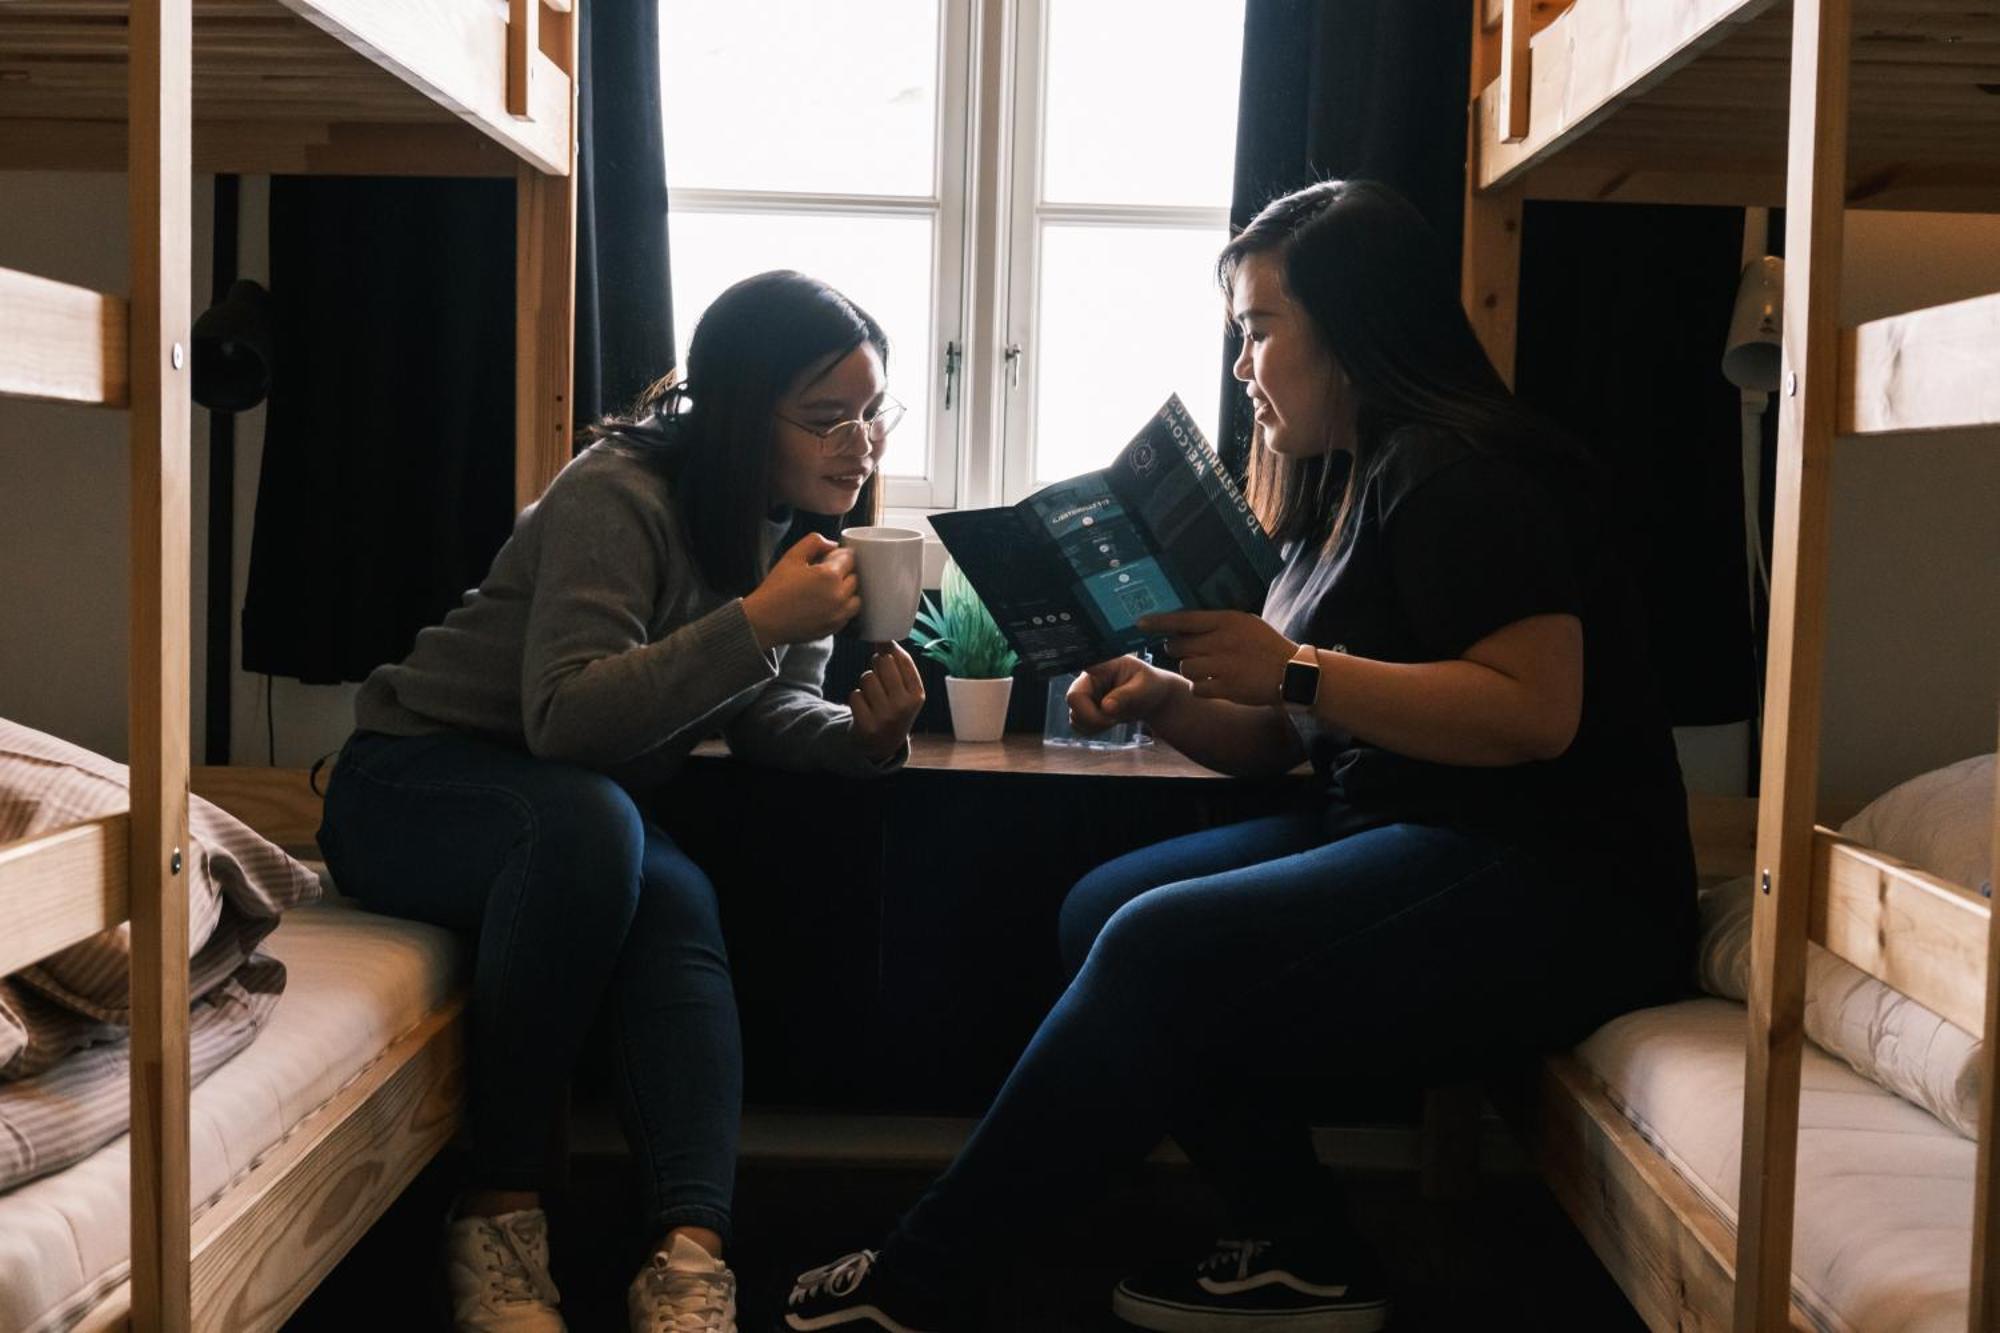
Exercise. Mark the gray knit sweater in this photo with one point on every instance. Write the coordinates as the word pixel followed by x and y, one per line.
pixel 593 639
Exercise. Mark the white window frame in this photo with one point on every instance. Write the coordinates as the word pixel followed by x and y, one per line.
pixel 988 214
pixel 913 373
pixel 1029 213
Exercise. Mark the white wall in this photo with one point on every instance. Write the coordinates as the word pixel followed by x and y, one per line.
pixel 64 495
pixel 1913 648
pixel 1913 656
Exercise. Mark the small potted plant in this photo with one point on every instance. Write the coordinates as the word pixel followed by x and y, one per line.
pixel 978 664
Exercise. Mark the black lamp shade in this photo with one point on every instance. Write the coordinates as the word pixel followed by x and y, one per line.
pixel 232 350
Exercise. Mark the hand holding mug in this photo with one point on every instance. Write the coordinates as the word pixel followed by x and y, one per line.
pixel 811 592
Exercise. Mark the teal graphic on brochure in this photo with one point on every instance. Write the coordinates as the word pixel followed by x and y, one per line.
pixel 1068 572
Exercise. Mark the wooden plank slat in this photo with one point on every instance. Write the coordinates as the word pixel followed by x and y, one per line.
pixel 1651 94
pixel 1660 1241
pixel 1935 369
pixel 262 1250
pixel 277 802
pixel 1985 1302
pixel 410 61
pixel 263 1246
pixel 456 55
pixel 1601 172
pixel 267 147
pixel 1922 935
pixel 61 343
pixel 160 108
pixel 1595 54
pixel 62 887
pixel 1822 38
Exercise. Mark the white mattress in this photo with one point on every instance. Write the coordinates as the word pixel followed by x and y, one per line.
pixel 355 982
pixel 1883 1237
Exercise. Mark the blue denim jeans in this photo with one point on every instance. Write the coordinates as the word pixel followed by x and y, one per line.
pixel 573 901
pixel 1208 966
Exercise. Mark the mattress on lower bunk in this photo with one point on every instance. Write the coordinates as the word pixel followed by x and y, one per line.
pixel 356 981
pixel 1883 1237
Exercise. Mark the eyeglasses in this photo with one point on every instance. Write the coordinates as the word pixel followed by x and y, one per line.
pixel 855 436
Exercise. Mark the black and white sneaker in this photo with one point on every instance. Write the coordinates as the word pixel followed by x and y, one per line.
pixel 853 1294
pixel 1251 1286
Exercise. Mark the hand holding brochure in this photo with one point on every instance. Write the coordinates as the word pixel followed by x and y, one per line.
pixel 1068 571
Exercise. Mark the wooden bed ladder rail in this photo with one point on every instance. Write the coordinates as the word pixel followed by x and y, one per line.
pixel 1515 69
pixel 1809 883
pixel 524 39
pixel 1986 1176
pixel 1505 31
pixel 1822 40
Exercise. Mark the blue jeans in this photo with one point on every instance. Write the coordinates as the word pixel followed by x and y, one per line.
pixel 573 899
pixel 1207 966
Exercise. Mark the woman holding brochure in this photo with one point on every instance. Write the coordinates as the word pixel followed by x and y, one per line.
pixel 496 779
pixel 1492 860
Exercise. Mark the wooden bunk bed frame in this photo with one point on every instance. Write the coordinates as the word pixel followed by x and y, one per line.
pixel 1748 102
pixel 161 89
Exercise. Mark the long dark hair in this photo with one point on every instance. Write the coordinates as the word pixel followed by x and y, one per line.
pixel 1371 275
pixel 712 430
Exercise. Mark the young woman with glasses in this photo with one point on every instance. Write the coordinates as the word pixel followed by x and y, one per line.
pixel 1492 858
pixel 499 777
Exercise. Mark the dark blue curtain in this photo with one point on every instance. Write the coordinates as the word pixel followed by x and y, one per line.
pixel 1347 88
pixel 387 476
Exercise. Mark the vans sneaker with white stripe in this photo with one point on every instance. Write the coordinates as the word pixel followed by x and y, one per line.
pixel 1254 1286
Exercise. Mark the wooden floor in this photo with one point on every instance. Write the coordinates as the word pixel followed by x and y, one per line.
pixel 1506 1259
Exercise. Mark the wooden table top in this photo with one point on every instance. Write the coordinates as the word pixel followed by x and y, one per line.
pixel 1027 754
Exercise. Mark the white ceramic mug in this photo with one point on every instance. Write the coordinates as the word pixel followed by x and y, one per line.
pixel 889 562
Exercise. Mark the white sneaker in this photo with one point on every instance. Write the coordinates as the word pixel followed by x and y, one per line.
pixel 683 1289
pixel 498 1271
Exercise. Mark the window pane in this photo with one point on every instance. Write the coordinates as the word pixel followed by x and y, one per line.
pixel 882 264
pixel 1128 315
pixel 1141 102
pixel 780 95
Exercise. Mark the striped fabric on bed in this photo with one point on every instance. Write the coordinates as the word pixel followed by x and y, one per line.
pixel 83 1102
pixel 64 1020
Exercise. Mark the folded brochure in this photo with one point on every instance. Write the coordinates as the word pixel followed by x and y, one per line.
pixel 1067 572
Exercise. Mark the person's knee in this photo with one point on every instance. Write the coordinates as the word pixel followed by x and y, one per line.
pixel 588 833
pixel 1090 905
pixel 679 899
pixel 1144 946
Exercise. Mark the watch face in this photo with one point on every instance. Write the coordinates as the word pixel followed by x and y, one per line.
pixel 1301 685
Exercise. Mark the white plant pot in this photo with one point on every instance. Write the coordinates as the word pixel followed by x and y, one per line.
pixel 978 707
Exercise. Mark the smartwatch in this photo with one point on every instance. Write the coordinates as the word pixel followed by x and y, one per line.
pixel 1300 687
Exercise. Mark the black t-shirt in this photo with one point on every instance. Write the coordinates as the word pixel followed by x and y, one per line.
pixel 1446 543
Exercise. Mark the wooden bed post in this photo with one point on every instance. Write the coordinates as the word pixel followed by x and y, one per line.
pixel 545 302
pixel 160 166
pixel 1986 1188
pixel 1490 258
pixel 1815 197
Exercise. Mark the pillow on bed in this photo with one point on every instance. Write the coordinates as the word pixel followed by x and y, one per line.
pixel 238 884
pixel 1941 822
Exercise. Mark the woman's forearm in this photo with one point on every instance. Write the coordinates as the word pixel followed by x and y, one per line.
pixel 1230 738
pixel 1457 712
